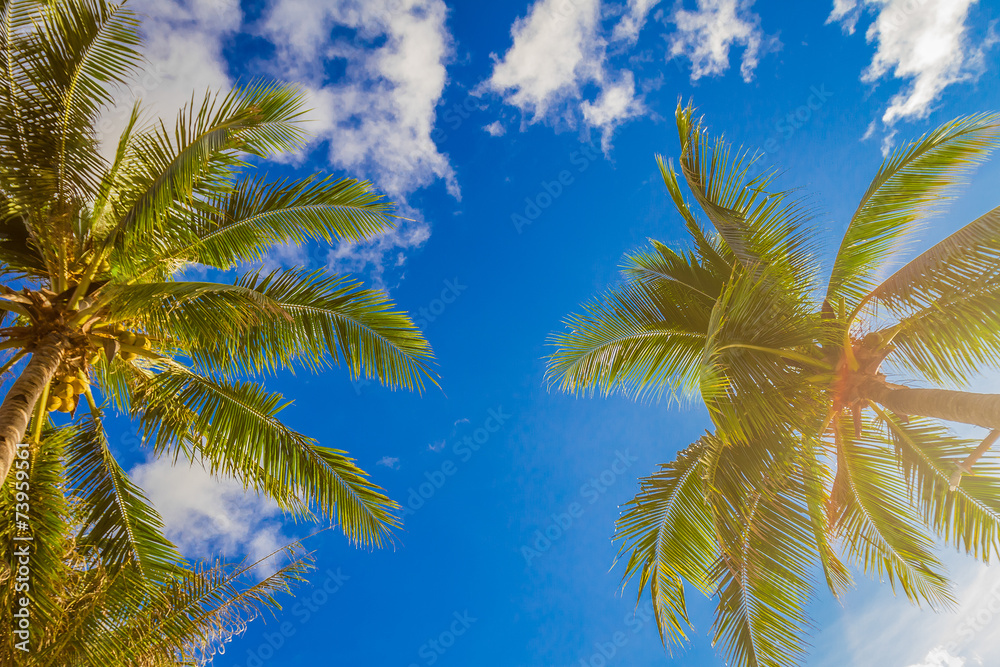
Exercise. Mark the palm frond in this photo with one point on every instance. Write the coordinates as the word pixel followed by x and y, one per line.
pixel 968 517
pixel 667 531
pixel 882 530
pixel 631 342
pixel 324 319
pixel 764 573
pixel 241 225
pixel 196 161
pixel 117 518
pixel 235 429
pixel 911 184
pixel 759 227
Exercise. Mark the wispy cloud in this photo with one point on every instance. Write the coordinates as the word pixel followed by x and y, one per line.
pixel 923 42
pixel 209 517
pixel 379 116
pixel 557 50
pixel 495 129
pixel 705 36
pixel 391 462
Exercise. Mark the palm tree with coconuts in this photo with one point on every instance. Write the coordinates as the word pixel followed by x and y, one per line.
pixel 99 314
pixel 820 457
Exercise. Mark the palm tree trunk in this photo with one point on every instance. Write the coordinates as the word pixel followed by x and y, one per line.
pixel 957 406
pixel 15 412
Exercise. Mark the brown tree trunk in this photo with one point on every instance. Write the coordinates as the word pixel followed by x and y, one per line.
pixel 15 412
pixel 957 406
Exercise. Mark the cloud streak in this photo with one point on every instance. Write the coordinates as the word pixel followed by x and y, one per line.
pixel 923 42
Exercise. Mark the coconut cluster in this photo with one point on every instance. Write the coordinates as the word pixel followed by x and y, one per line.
pixel 69 383
pixel 64 393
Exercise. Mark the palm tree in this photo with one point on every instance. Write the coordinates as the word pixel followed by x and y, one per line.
pixel 816 461
pixel 94 253
pixel 83 613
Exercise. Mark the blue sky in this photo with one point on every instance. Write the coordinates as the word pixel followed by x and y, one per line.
pixel 520 137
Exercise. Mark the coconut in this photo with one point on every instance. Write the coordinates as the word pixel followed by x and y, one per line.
pixel 126 355
pixel 78 385
pixel 53 404
pixel 61 390
pixel 141 341
pixel 127 338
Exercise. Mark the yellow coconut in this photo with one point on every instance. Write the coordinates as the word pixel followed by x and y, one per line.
pixel 62 390
pixel 53 404
pixel 78 385
pixel 127 356
pixel 141 341
pixel 127 338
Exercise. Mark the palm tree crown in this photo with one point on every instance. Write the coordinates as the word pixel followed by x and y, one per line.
pixel 816 459
pixel 93 256
pixel 85 612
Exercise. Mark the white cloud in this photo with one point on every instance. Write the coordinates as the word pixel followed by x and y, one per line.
pixel 925 42
pixel 209 517
pixel 847 13
pixel 876 628
pixel 631 23
pixel 379 116
pixel 183 48
pixel 557 50
pixel 436 446
pixel 391 462
pixel 387 250
pixel 940 657
pixel 495 129
pixel 373 90
pixel 616 103
pixel 706 34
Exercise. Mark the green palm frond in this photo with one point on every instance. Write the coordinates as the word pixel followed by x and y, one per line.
pixel 759 227
pixel 968 517
pixel 911 183
pixel 882 530
pixel 633 343
pixel 324 319
pixel 116 516
pixel 816 479
pixel 764 573
pixel 967 257
pixel 668 534
pixel 191 618
pixel 85 50
pixel 235 429
pixel 241 225
pixel 196 161
pixel 951 340
pixel 180 312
